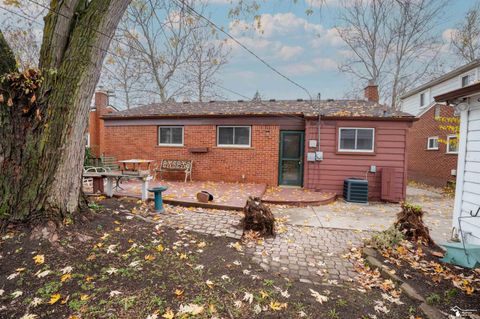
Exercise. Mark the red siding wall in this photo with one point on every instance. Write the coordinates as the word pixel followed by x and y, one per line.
pixel 329 174
pixel 431 167
pixel 257 164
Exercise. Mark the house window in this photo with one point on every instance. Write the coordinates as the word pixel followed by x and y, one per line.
pixel 238 136
pixel 87 140
pixel 432 143
pixel 437 111
pixel 465 80
pixel 356 139
pixel 452 144
pixel 422 99
pixel 170 135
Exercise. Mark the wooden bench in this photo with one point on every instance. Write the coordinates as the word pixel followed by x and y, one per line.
pixel 168 165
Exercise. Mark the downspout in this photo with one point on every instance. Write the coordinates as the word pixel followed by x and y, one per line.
pixel 463 107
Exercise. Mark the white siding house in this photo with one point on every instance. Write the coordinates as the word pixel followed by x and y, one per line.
pixel 421 98
pixel 467 192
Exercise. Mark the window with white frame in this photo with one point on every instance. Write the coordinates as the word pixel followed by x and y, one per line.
pixel 170 135
pixel 432 143
pixel 356 139
pixel 422 99
pixel 234 136
pixel 452 144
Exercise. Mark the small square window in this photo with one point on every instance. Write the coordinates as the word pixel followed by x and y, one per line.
pixel 452 144
pixel 432 143
pixel 228 136
pixel 356 140
pixel 465 80
pixel 170 135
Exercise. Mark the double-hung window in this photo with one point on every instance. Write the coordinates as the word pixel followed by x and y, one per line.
pixel 432 143
pixel 452 144
pixel 356 139
pixel 234 136
pixel 170 135
pixel 422 99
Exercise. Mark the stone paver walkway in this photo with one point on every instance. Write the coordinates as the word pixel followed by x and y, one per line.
pixel 304 253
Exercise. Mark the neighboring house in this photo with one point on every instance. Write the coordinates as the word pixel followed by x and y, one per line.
pixel 96 132
pixel 272 142
pixel 467 192
pixel 430 161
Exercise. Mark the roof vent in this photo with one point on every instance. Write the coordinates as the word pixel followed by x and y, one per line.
pixel 211 101
pixel 240 101
pixel 299 100
pixel 272 100
pixel 330 100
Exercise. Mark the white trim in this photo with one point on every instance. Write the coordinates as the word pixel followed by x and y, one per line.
pixel 235 145
pixel 448 143
pixel 339 149
pixel 88 140
pixel 171 144
pixel 428 143
pixel 462 154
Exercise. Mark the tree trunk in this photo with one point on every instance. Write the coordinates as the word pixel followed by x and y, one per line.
pixel 42 129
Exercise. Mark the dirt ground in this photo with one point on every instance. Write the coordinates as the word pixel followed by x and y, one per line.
pixel 114 265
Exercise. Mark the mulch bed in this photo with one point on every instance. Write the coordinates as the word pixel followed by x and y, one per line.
pixel 443 285
pixel 113 265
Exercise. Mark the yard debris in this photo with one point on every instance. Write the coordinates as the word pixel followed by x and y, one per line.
pixel 258 217
pixel 410 223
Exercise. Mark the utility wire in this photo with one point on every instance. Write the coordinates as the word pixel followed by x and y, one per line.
pixel 127 44
pixel 268 65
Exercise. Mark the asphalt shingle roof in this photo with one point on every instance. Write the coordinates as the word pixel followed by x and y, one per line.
pixel 340 108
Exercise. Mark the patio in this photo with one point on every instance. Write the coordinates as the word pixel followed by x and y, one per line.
pixel 229 196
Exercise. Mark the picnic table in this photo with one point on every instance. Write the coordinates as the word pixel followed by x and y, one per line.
pixel 136 164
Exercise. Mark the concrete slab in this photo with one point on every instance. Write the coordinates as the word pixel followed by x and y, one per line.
pixel 375 216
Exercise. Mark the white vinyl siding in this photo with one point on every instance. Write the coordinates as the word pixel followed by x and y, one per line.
pixel 356 139
pixel 432 143
pixel 234 136
pixel 468 173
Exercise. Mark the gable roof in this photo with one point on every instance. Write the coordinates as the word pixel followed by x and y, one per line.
pixel 326 108
pixel 445 77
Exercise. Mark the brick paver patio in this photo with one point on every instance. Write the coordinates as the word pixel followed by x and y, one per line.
pixel 303 253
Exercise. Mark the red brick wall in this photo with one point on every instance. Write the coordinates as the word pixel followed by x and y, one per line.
pixel 258 164
pixel 96 126
pixel 390 151
pixel 431 167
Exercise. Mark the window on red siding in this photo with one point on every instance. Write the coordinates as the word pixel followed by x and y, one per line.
pixel 356 139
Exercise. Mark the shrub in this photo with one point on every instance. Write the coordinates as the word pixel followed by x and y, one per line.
pixel 386 239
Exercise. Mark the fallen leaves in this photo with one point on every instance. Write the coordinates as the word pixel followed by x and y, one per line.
pixel 65 277
pixel 39 259
pixel 318 297
pixel 54 298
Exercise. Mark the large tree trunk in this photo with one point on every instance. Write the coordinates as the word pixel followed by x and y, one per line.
pixel 42 129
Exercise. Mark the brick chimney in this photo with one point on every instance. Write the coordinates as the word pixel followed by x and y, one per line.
pixel 96 125
pixel 371 92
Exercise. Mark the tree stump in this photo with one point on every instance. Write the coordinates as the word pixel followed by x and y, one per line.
pixel 410 223
pixel 258 217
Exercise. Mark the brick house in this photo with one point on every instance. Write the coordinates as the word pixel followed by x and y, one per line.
pixel 430 161
pixel 314 144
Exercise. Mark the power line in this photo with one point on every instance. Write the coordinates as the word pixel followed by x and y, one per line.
pixel 128 45
pixel 268 65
